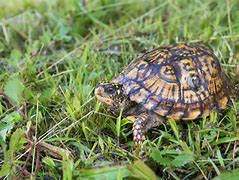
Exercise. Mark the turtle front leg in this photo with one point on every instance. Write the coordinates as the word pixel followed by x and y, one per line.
pixel 139 130
pixel 141 124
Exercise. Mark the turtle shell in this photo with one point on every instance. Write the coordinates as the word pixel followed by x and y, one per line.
pixel 182 81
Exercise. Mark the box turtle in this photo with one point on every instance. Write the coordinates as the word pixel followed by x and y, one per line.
pixel 179 81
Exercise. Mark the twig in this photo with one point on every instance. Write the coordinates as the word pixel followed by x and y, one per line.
pixel 6 99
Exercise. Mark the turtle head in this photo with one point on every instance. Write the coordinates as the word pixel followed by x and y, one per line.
pixel 109 93
pixel 113 95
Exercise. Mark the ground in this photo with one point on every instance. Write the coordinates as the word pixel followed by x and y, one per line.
pixel 52 54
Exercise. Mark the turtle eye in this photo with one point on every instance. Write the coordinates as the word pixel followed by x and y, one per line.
pixel 110 90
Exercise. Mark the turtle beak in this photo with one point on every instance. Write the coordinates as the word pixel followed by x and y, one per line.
pixel 100 95
pixel 99 91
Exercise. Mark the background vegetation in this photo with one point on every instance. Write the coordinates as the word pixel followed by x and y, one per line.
pixel 52 53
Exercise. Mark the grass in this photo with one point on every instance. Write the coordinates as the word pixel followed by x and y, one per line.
pixel 52 53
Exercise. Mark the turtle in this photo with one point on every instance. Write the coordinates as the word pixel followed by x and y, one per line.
pixel 180 81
